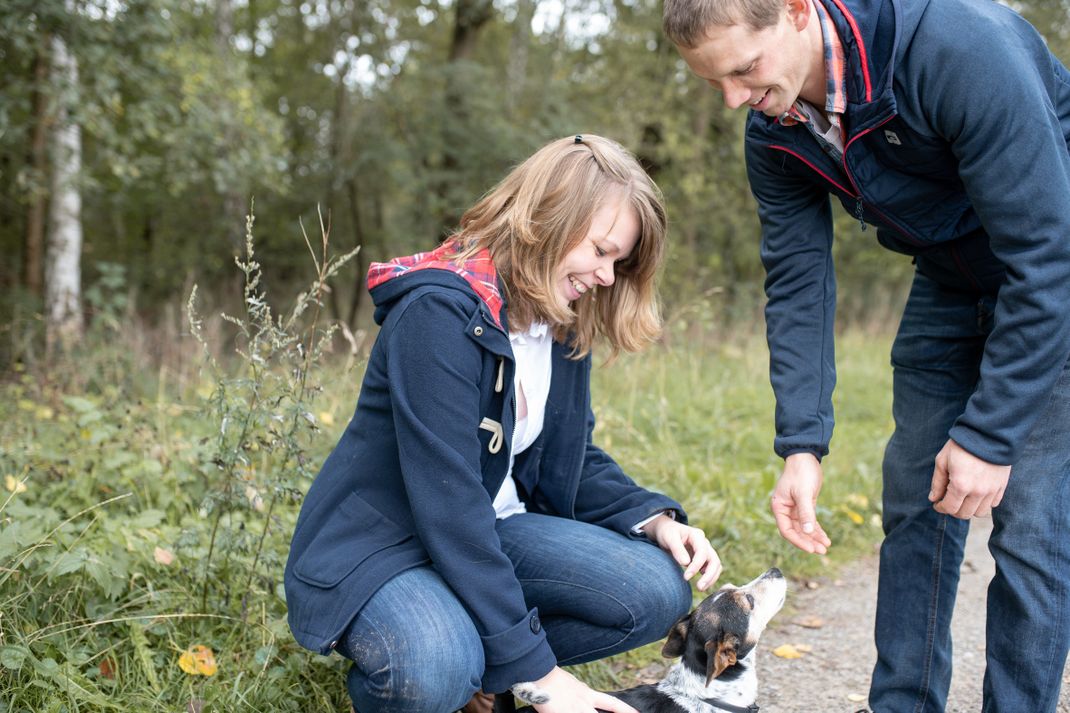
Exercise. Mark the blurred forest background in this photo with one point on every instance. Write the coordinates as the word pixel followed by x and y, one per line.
pixel 134 135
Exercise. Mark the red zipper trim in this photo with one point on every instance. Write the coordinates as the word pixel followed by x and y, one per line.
pixel 861 48
pixel 858 191
pixel 812 166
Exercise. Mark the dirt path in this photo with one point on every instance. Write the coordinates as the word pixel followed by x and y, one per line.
pixel 833 677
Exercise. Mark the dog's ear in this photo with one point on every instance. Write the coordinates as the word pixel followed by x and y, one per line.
pixel 674 645
pixel 720 654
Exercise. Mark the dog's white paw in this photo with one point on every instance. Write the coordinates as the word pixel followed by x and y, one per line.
pixel 529 693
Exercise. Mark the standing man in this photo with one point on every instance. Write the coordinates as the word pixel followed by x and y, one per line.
pixel 944 124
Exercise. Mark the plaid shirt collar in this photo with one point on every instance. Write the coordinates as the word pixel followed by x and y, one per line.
pixel 835 74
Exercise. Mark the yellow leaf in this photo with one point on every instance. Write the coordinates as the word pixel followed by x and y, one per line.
pixel 198 660
pixel 855 697
pixel 326 418
pixel 855 517
pixel 787 651
pixel 163 556
pixel 44 413
pixel 14 486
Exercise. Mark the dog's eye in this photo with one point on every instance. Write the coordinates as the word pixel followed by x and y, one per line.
pixel 750 600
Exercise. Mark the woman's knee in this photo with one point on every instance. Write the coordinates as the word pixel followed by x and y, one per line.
pixel 662 596
pixel 429 681
pixel 414 648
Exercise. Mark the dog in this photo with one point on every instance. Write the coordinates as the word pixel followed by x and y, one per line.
pixel 716 644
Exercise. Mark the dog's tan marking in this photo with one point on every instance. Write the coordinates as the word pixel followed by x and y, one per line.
pixel 720 655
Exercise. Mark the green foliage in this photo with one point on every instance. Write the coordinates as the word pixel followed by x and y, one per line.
pixel 259 457
pixel 136 522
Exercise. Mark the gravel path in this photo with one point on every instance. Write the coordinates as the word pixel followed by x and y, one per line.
pixel 833 677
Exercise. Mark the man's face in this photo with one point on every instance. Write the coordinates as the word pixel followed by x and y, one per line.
pixel 766 69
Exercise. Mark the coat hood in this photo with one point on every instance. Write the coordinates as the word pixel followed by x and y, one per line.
pixel 437 267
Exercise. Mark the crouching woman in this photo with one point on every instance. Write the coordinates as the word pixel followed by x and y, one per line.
pixel 466 534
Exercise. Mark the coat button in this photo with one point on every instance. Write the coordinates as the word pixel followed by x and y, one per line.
pixel 478 331
pixel 536 625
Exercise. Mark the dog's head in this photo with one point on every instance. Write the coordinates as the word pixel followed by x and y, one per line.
pixel 725 627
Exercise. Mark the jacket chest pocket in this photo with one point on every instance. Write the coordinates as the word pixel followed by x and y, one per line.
pixel 895 146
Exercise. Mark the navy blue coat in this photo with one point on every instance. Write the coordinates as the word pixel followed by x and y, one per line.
pixel 958 127
pixel 412 478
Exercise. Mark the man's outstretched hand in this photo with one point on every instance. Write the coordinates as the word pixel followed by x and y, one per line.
pixel 794 504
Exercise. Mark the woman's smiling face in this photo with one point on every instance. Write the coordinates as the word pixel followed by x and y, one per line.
pixel 611 238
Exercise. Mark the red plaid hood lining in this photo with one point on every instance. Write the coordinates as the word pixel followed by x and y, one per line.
pixel 478 271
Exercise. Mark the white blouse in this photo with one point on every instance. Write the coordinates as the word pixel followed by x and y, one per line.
pixel 531 352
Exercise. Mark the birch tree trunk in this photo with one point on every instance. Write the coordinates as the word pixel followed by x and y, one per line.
pixel 63 276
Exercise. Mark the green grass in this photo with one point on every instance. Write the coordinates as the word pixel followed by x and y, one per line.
pixel 114 472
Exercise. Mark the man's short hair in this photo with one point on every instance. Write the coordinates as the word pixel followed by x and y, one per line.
pixel 686 22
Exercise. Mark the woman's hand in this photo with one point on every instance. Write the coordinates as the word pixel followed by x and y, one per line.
pixel 568 694
pixel 689 546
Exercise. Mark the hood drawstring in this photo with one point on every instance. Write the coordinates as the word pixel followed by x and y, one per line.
pixel 500 383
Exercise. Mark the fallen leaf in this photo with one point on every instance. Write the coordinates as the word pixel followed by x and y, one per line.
pixel 855 697
pixel 107 668
pixel 163 556
pixel 853 516
pixel 811 622
pixel 787 651
pixel 198 660
pixel 13 485
pixel 326 418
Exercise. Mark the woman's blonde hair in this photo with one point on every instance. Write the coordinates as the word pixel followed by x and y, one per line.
pixel 541 211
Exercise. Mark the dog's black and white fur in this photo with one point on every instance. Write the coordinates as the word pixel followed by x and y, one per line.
pixel 716 644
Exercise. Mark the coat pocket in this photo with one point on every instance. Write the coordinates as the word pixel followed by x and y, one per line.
pixel 353 532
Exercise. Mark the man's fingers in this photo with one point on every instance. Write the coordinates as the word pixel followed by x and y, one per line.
pixel 938 489
pixel 951 502
pixel 787 529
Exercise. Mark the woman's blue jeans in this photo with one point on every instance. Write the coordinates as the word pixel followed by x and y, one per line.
pixel 936 359
pixel 599 593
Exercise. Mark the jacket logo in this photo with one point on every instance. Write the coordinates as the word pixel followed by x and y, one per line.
pixel 892 138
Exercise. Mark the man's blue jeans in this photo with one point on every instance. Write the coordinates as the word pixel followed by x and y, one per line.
pixel 936 359
pixel 598 593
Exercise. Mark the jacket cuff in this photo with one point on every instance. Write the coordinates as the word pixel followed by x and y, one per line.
pixel 815 452
pixel 976 444
pixel 520 653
